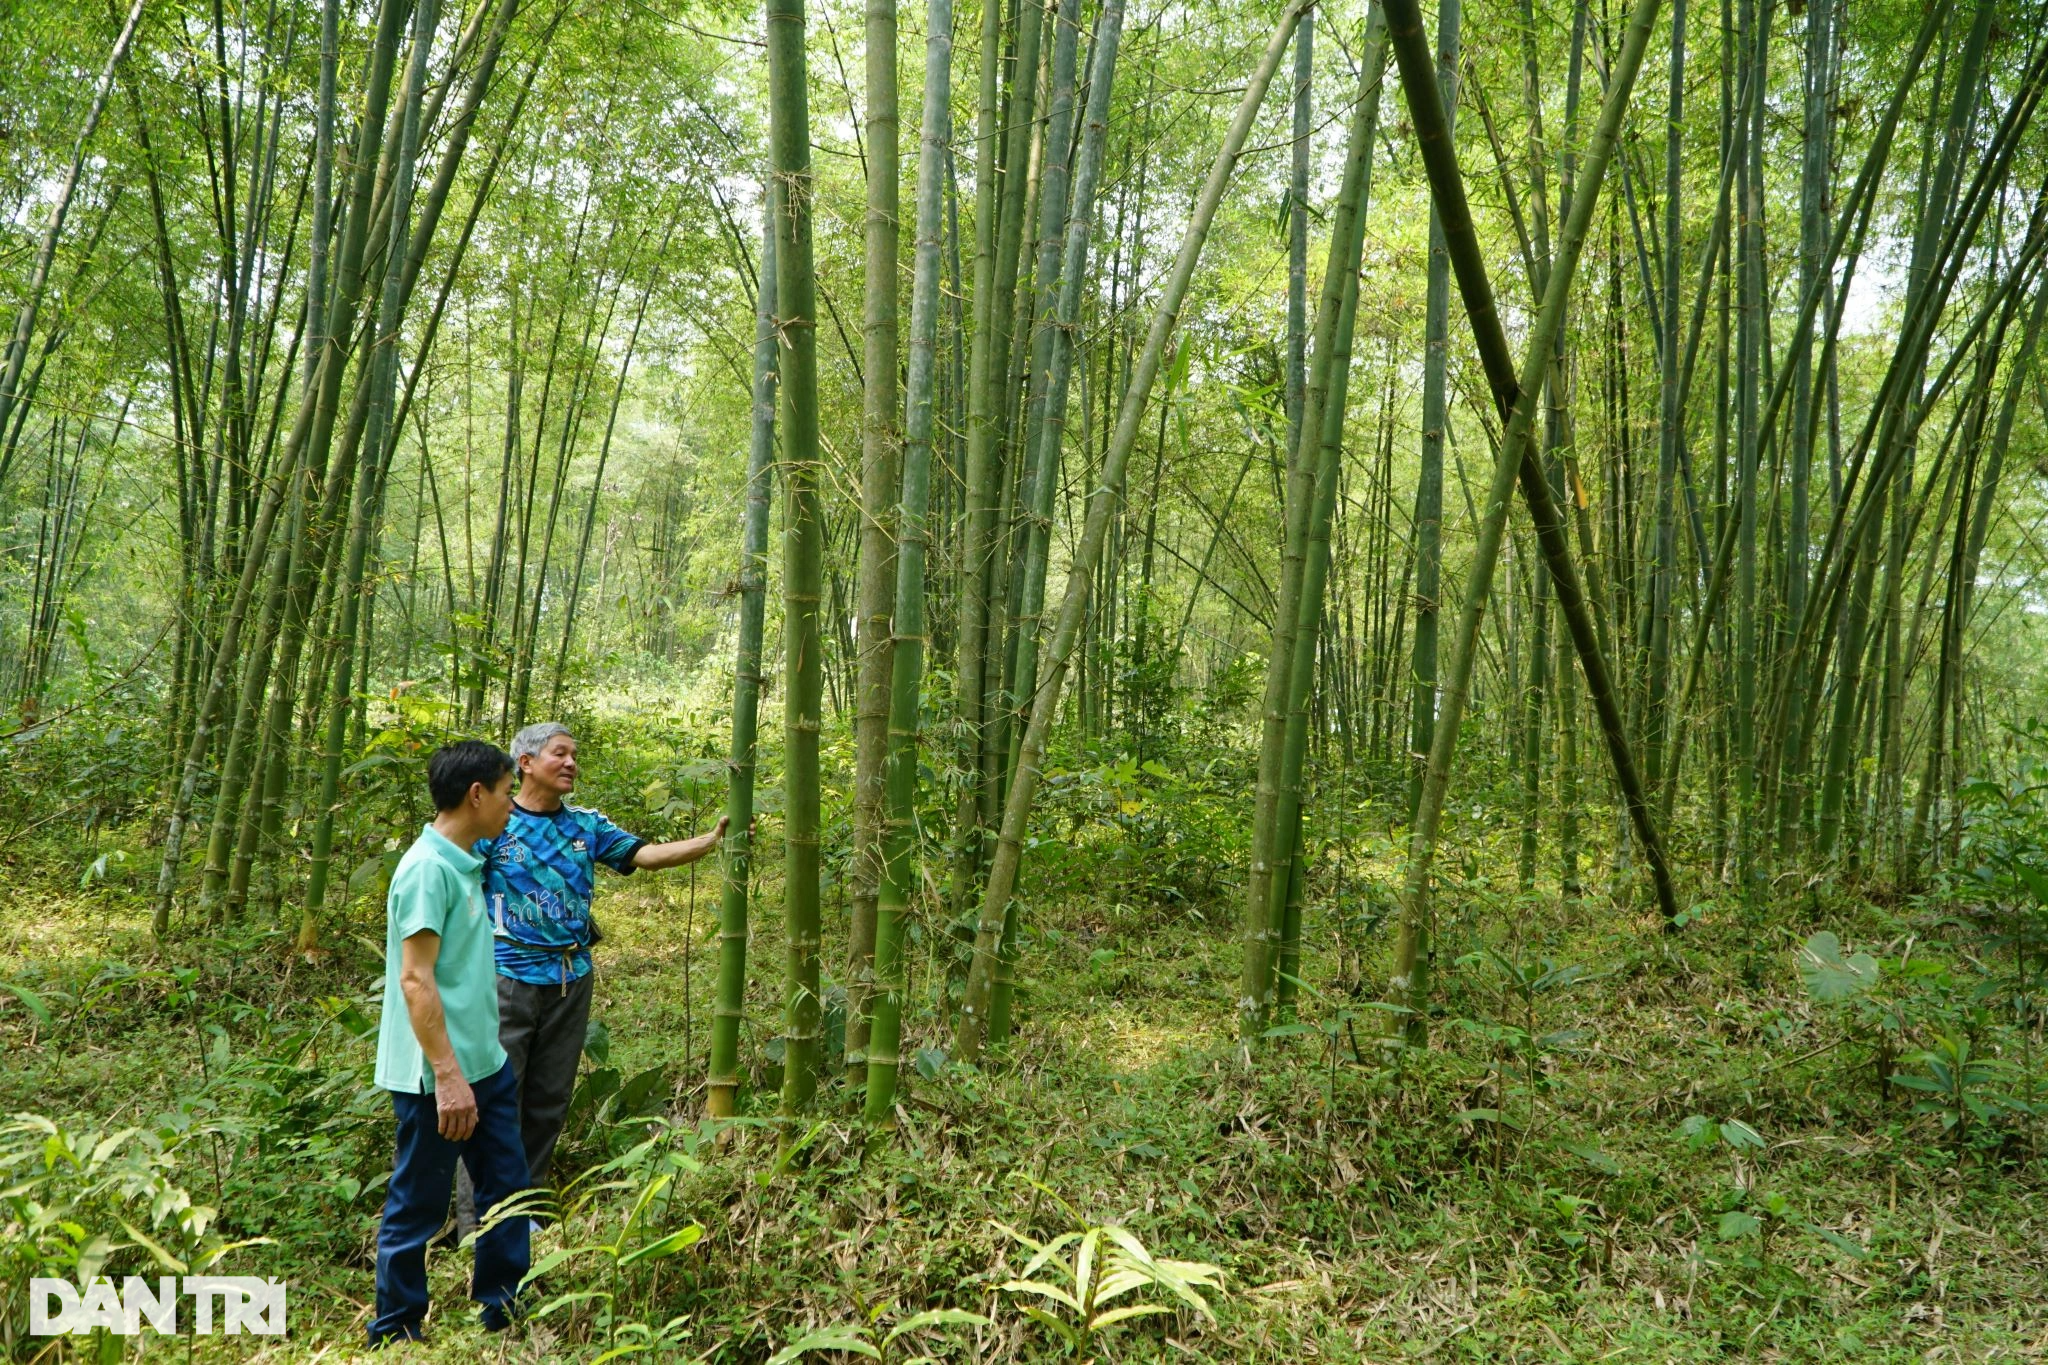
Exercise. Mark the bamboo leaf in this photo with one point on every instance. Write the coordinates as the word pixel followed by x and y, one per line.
pixel 549 1262
pixel 1045 1319
pixel 667 1246
pixel 107 1146
pixel 566 1300
pixel 838 1338
pixel 1041 1288
pixel 1839 1242
pixel 30 1001
pixel 1117 1283
pixel 155 1248
pixel 1594 1157
pixel 1084 1265
pixel 936 1317
pixel 214 1255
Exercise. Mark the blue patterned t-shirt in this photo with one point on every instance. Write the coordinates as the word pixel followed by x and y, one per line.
pixel 538 879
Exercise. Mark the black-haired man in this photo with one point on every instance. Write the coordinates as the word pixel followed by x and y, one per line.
pixel 438 1052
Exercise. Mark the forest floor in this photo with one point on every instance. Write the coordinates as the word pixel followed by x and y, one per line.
pixel 1672 1153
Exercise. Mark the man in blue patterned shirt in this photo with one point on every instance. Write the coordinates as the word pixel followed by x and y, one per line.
pixel 539 876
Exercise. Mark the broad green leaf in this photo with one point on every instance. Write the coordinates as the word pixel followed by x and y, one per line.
pixel 936 1317
pixel 1735 1224
pixel 1194 1272
pixel 94 1256
pixel 1117 1315
pixel 1084 1263
pixel 1041 1288
pixel 372 876
pixel 648 1195
pixel 1740 1135
pixel 1047 1320
pixel 107 1146
pixel 2036 882
pixel 565 1300
pixel 1830 977
pixel 839 1338
pixel 1594 1157
pixel 667 1246
pixel 345 1013
pixel 1119 1282
pixel 1839 1242
pixel 153 1247
pixel 30 1001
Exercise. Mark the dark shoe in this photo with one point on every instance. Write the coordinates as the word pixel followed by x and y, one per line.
pixel 410 1331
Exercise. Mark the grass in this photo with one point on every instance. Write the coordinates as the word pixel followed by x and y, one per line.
pixel 1449 1205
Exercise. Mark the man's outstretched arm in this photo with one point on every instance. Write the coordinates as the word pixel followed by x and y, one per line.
pixel 677 852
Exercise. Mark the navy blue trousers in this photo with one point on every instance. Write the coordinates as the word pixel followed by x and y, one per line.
pixel 416 1205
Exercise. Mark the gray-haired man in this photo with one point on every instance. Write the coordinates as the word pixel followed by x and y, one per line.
pixel 539 876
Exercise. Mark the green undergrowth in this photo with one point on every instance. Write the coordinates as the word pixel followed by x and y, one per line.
pixel 1622 1146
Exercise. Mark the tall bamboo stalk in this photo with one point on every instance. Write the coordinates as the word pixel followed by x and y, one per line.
pixel 1102 500
pixel 1429 480
pixel 380 374
pixel 1664 546
pixel 312 431
pixel 880 439
pixel 16 354
pixel 983 473
pixel 803 543
pixel 1519 397
pixel 1320 455
pixel 1039 465
pixel 892 909
pixel 1289 875
pixel 729 1007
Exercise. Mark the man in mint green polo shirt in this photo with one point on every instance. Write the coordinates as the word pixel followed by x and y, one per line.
pixel 453 1088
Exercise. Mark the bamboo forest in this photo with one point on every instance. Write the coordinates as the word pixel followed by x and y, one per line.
pixel 1294 680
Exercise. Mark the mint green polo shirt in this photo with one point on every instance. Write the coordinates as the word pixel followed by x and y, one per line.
pixel 439 888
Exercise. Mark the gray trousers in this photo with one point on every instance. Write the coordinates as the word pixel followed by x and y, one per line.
pixel 542 1030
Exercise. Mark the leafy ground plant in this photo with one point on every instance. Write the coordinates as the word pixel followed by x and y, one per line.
pixel 1106 1263
pixel 1966 1089
pixel 867 1338
pixel 611 1260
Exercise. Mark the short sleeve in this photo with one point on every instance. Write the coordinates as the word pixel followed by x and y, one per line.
pixel 611 845
pixel 419 899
